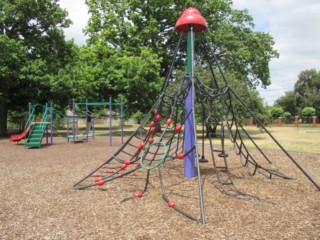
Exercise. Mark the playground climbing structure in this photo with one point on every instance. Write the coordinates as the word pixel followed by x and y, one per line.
pixel 73 131
pixel 36 126
pixel 168 139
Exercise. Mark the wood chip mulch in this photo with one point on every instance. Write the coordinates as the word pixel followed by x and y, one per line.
pixel 38 201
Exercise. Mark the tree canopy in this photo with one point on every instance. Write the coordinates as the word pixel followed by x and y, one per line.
pixel 127 55
pixel 99 72
pixel 288 102
pixel 306 93
pixel 308 111
pixel 133 24
pixel 33 49
pixel 307 89
pixel 276 112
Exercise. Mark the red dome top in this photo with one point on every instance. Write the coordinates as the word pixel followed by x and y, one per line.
pixel 191 16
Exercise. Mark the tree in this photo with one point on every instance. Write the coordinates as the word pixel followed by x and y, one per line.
pixel 288 102
pixel 307 79
pixel 308 111
pixel 11 58
pixel 130 28
pixel 287 117
pixel 276 112
pixel 307 89
pixel 33 49
pixel 133 24
pixel 306 93
pixel 100 72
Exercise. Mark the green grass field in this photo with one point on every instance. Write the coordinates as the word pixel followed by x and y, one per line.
pixel 302 139
pixel 305 139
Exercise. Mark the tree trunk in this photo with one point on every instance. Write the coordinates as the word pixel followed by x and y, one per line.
pixel 3 118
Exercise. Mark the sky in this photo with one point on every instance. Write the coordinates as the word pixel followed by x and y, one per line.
pixel 294 25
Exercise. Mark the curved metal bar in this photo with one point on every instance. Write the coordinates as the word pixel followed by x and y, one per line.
pixel 275 140
pixel 166 198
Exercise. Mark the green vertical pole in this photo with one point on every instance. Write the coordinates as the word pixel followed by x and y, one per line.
pixel 190 50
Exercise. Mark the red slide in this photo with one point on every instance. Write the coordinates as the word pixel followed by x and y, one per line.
pixel 18 137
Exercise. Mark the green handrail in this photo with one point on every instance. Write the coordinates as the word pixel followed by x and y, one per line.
pixel 43 118
pixel 30 119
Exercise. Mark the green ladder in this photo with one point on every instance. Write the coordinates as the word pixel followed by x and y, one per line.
pixel 35 138
pixel 36 132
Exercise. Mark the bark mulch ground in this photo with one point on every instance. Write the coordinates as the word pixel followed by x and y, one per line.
pixel 38 201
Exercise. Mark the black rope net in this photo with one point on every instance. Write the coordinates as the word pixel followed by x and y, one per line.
pixel 157 145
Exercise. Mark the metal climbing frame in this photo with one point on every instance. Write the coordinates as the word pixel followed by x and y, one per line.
pixel 161 137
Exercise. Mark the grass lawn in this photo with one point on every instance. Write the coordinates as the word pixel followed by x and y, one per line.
pixel 302 139
pixel 291 138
